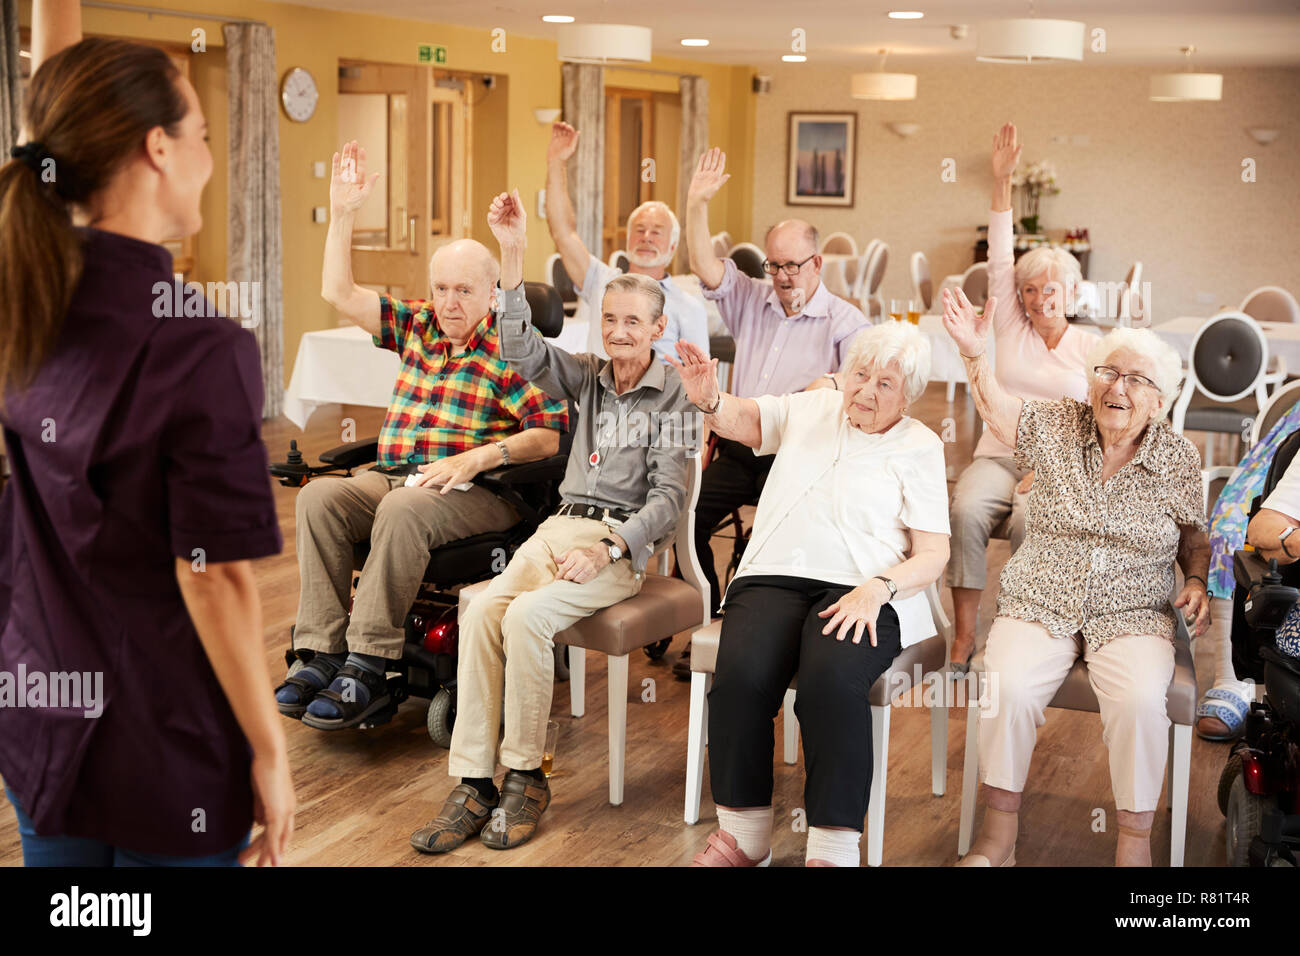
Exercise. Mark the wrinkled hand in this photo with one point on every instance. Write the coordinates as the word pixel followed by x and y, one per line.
pixel 1197 602
pixel 970 330
pixel 1006 151
pixel 349 187
pixel 710 176
pixel 563 144
pixel 273 807
pixel 456 469
pixel 582 564
pixel 699 373
pixel 507 219
pixel 857 609
pixel 1026 483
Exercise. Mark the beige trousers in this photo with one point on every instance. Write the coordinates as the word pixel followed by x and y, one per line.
pixel 507 648
pixel 1130 676
pixel 403 525
pixel 985 494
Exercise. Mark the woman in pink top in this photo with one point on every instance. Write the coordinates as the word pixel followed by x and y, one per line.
pixel 1039 356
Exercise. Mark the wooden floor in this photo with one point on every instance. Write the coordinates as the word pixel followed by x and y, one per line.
pixel 362 793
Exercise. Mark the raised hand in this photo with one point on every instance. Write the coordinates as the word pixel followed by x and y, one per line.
pixel 507 219
pixel 563 144
pixel 699 374
pixel 1006 151
pixel 348 184
pixel 710 176
pixel 970 330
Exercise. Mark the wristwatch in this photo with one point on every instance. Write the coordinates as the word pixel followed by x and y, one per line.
pixel 893 588
pixel 615 552
pixel 1281 540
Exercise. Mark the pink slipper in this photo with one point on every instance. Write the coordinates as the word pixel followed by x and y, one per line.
pixel 721 850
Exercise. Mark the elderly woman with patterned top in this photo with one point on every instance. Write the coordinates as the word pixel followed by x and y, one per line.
pixel 851 526
pixel 1116 502
pixel 1040 355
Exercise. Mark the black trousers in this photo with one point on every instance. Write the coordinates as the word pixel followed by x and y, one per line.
pixel 770 632
pixel 734 478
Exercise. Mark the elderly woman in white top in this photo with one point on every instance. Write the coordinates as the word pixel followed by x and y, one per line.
pixel 1116 503
pixel 1039 355
pixel 851 526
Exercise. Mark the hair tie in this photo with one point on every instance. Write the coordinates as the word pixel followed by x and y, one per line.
pixel 33 154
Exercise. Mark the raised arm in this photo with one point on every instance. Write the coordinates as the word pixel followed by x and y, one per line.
pixel 710 175
pixel 731 417
pixel 1002 257
pixel 555 370
pixel 560 217
pixel 348 190
pixel 56 25
pixel 999 408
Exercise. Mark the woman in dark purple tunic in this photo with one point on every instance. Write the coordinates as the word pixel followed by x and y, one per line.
pixel 136 722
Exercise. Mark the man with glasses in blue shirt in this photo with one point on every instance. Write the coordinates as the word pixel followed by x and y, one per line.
pixel 791 333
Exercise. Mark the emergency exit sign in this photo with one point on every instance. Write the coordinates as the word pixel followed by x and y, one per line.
pixel 430 53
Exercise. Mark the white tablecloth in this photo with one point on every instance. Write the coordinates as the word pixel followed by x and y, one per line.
pixel 1283 338
pixel 343 366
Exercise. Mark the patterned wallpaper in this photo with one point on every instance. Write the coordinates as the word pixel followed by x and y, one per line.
pixel 1159 182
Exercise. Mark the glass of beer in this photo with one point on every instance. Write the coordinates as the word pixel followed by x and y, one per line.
pixel 548 752
pixel 896 309
pixel 914 311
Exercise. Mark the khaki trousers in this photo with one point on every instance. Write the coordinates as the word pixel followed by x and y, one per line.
pixel 403 525
pixel 984 495
pixel 507 647
pixel 1130 676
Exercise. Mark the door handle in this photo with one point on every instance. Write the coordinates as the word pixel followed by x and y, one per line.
pixel 410 235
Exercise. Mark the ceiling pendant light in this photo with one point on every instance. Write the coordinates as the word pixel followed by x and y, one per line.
pixel 879 85
pixel 1187 87
pixel 603 43
pixel 1029 40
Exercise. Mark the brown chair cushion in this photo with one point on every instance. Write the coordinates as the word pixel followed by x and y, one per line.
pixel 664 607
pixel 930 653
pixel 1075 693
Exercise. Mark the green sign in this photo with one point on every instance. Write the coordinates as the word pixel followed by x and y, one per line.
pixel 429 53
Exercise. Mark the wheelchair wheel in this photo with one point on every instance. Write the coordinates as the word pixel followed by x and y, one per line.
pixel 1231 771
pixel 1245 815
pixel 657 650
pixel 441 718
pixel 561 661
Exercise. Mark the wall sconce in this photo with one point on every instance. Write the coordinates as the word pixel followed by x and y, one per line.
pixel 904 130
pixel 546 117
pixel 1261 135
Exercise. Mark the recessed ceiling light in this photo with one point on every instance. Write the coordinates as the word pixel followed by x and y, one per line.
pixel 557 18
pixel 905 14
pixel 695 43
pixel 794 58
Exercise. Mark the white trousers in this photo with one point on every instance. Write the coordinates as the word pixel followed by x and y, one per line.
pixel 1130 676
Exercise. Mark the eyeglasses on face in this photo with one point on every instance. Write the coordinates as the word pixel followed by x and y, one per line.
pixel 789 268
pixel 1108 375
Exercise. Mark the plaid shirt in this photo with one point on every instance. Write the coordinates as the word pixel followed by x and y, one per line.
pixel 445 404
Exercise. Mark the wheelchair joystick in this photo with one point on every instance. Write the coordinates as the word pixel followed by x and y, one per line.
pixel 295 457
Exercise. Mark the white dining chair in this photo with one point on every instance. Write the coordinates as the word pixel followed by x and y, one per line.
pixel 721 244
pixel 619 260
pixel 975 283
pixel 1271 303
pixel 859 276
pixel 839 243
pixel 873 274
pixel 922 285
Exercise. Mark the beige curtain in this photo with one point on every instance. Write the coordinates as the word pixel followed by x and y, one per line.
pixel 584 110
pixel 253 252
pixel 694 141
pixel 10 102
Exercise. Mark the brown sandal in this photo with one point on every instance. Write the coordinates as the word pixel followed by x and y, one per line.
pixel 463 815
pixel 523 800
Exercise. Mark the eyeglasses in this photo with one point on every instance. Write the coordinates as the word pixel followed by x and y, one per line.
pixel 789 268
pixel 1108 375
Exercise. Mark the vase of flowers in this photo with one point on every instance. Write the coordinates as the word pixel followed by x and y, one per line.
pixel 1032 183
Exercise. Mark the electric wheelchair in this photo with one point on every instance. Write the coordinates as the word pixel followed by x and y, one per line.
pixel 427 668
pixel 1259 789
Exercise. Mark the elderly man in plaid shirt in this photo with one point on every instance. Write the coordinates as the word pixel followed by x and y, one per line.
pixel 457 410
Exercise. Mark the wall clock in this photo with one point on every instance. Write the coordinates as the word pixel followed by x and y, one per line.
pixel 298 93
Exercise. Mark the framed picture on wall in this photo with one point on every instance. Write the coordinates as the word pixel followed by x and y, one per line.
pixel 821 155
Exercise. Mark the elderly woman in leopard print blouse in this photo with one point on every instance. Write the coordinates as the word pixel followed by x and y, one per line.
pixel 1116 502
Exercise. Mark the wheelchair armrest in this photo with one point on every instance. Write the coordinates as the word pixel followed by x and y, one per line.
pixel 353 454
pixel 528 473
pixel 1248 568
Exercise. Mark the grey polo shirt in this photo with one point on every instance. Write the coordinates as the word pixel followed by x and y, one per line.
pixel 629 451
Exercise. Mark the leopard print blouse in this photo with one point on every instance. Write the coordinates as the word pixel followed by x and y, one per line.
pixel 1099 558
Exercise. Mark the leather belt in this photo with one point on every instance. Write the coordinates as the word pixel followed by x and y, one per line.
pixel 403 469
pixel 593 511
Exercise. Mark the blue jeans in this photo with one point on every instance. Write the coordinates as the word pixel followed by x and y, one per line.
pixel 83 851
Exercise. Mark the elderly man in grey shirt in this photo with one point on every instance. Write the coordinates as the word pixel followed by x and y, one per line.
pixel 622 495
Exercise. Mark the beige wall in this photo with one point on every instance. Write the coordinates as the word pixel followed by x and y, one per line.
pixel 1159 182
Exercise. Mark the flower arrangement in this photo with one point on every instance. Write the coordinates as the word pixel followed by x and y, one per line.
pixel 1034 181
